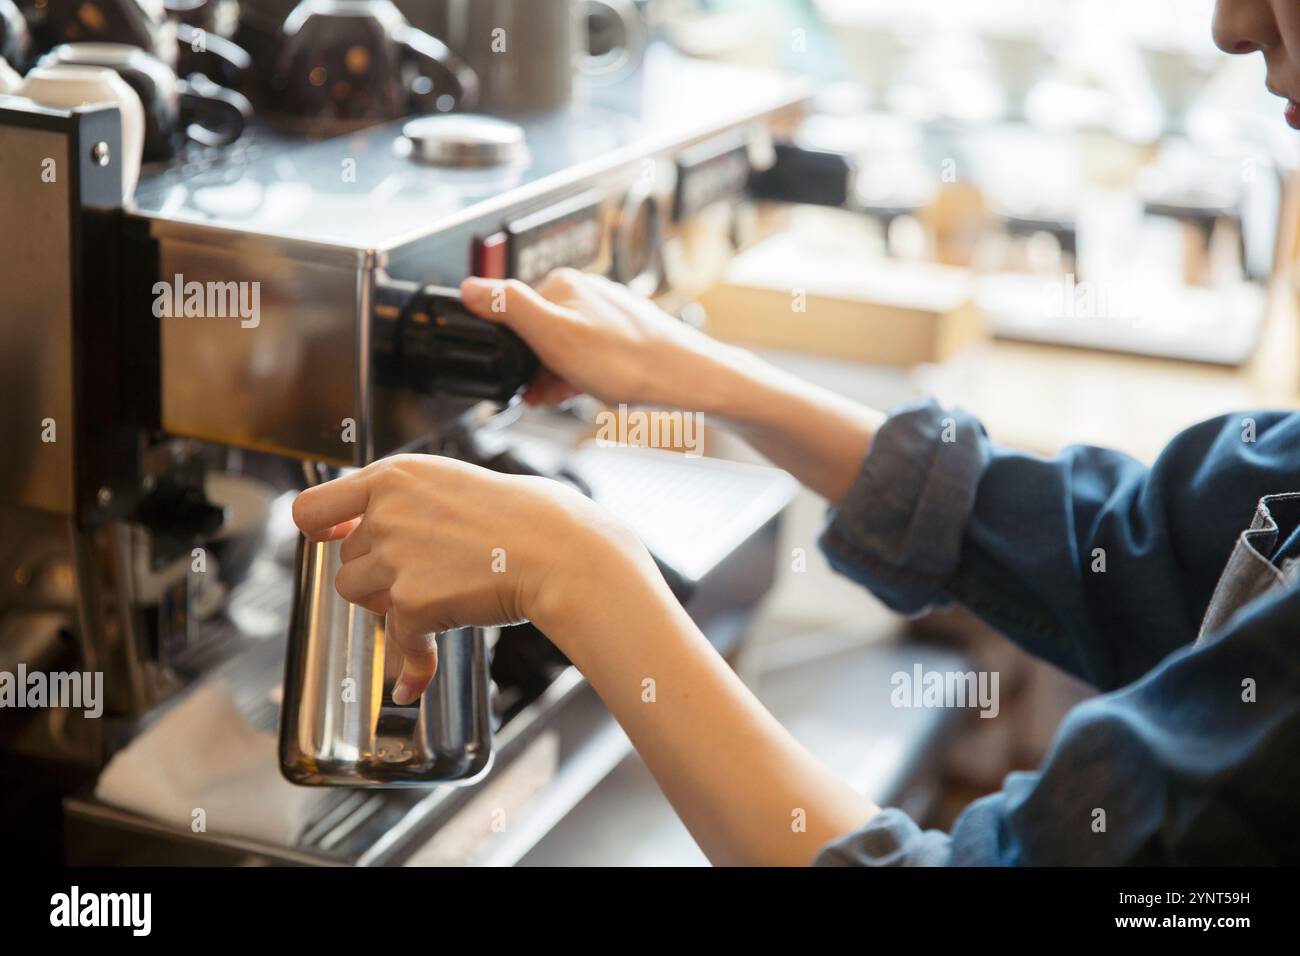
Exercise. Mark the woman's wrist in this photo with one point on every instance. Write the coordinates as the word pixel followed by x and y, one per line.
pixel 596 566
pixel 818 435
pixel 719 380
pixel 741 389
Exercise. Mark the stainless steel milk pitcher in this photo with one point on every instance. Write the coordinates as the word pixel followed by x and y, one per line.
pixel 338 723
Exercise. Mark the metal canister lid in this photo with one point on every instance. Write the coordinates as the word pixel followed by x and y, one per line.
pixel 465 140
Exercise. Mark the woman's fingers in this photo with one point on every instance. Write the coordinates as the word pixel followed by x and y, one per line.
pixel 419 658
pixel 328 511
pixel 536 318
pixel 620 297
pixel 617 294
pixel 360 578
pixel 548 389
pixel 510 303
pixel 380 603
pixel 333 532
pixel 357 543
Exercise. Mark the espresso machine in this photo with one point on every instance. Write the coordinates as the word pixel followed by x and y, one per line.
pixel 258 317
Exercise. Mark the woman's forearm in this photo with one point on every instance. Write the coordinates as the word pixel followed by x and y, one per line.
pixel 818 436
pixel 595 336
pixel 749 793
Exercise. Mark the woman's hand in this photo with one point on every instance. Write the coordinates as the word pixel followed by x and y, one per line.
pixel 436 544
pixel 593 335
pixel 596 336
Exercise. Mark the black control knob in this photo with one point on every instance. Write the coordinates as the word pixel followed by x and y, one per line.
pixel 438 346
pixel 816 177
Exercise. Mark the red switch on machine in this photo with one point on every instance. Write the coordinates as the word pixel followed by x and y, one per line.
pixel 490 257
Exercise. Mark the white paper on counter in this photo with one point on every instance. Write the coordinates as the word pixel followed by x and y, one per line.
pixel 203 755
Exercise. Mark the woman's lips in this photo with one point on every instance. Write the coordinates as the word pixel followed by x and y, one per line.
pixel 1292 112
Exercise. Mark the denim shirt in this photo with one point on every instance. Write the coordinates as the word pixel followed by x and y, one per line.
pixel 1171 589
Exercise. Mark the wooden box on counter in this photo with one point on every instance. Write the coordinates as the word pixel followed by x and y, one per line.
pixel 806 294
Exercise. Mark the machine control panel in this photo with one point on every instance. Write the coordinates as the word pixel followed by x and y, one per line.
pixel 709 172
pixel 567 234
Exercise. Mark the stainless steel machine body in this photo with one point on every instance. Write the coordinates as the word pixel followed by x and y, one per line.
pixel 247 314
pixel 318 228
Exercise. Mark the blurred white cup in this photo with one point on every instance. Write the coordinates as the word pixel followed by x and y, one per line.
pixel 67 87
pixel 10 79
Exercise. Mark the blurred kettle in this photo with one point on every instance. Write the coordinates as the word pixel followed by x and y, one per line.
pixel 527 52
pixel 339 725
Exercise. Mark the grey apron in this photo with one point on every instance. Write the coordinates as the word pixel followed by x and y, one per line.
pixel 1250 573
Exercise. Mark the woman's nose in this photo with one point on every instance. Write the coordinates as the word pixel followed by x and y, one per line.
pixel 1244 26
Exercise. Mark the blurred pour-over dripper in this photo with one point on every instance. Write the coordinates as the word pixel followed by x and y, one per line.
pixel 1019 58
pixel 876 42
pixel 1178 77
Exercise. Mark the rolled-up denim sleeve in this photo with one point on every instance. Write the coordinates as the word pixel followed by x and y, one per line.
pixel 1105 567
pixel 1088 559
pixel 899 529
pixel 892 838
